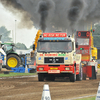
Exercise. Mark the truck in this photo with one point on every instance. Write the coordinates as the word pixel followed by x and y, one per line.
pixel 56 57
pixel 88 52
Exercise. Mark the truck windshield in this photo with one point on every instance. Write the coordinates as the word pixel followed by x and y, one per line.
pixel 83 41
pixel 54 46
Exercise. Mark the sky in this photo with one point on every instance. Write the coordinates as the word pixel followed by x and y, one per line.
pixel 7 19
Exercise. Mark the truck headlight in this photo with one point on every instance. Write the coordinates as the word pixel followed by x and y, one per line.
pixel 67 68
pixel 40 68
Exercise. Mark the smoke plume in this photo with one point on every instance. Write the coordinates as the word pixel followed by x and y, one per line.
pixel 75 12
pixel 17 9
pixel 51 15
pixel 44 7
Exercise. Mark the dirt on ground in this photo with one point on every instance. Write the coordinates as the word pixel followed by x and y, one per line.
pixel 29 88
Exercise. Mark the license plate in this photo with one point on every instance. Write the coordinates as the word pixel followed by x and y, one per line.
pixel 53 71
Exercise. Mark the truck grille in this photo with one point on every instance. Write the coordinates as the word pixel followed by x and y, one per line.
pixel 54 60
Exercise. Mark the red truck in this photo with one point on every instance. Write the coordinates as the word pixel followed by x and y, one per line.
pixel 86 49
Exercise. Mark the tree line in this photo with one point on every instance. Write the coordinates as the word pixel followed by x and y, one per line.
pixel 6 38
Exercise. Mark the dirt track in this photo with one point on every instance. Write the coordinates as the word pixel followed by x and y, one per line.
pixel 31 89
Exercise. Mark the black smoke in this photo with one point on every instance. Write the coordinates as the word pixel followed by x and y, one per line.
pixel 66 14
pixel 44 7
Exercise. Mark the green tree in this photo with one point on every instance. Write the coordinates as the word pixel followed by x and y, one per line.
pixel 31 47
pixel 5 34
pixel 96 35
pixel 21 46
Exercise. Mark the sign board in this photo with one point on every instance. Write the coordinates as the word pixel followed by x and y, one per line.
pixel 85 34
pixel 54 34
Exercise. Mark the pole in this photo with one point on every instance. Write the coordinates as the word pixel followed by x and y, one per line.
pixel 12 36
pixel 15 31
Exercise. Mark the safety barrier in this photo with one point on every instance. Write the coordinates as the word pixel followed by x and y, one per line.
pixel 20 70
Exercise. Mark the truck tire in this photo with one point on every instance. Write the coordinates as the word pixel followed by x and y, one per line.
pixel 13 61
pixel 79 76
pixel 73 76
pixel 40 77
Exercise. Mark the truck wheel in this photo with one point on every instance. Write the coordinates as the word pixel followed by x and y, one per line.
pixel 79 76
pixel 13 61
pixel 40 77
pixel 73 76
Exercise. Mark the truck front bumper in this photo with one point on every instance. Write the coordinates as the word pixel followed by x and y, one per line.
pixel 55 69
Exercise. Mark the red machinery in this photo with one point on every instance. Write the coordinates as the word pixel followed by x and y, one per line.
pixel 84 39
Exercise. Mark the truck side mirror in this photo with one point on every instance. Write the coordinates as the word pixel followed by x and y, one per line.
pixel 76 44
pixel 33 46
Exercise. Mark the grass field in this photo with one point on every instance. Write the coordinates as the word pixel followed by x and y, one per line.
pixel 91 98
pixel 16 74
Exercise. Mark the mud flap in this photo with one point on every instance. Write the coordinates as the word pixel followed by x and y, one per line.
pixel 89 72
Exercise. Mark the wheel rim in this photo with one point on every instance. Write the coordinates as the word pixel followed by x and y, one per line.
pixel 12 62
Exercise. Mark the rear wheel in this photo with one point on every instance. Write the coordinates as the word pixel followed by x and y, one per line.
pixel 40 77
pixel 13 61
pixel 79 76
pixel 73 76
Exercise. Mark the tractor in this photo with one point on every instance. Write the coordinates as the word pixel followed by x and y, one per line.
pixel 13 59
